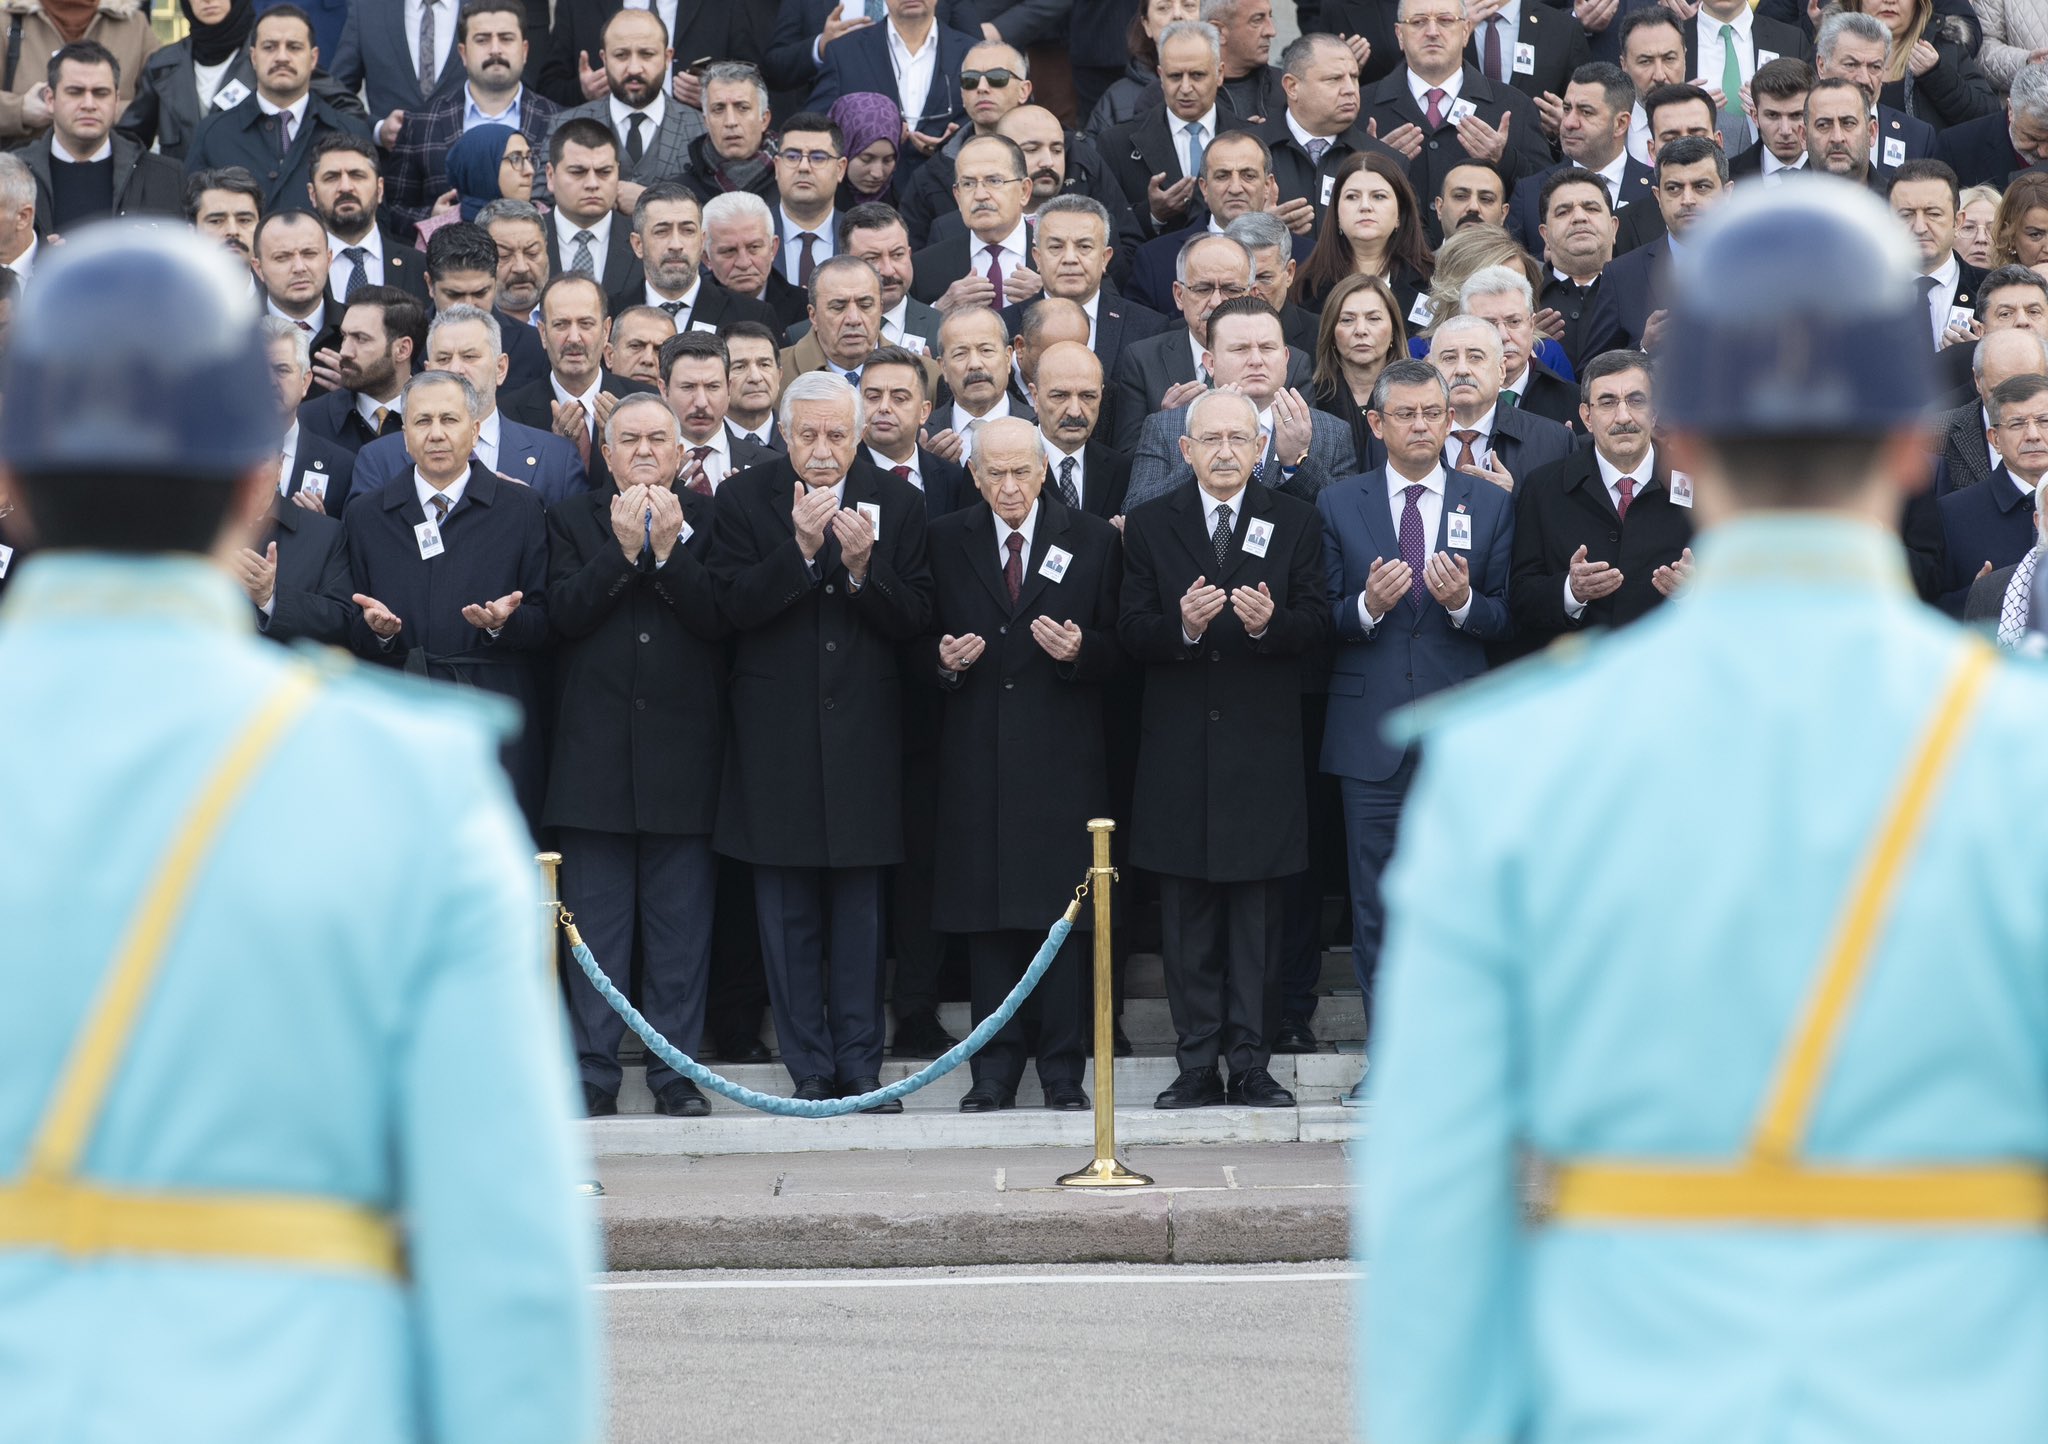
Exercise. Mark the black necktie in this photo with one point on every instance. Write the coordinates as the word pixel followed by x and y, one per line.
pixel 360 276
pixel 635 146
pixel 1220 539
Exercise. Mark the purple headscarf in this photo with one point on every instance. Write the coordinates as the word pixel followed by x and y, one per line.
pixel 864 118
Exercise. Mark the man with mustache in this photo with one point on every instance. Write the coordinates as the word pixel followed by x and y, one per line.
pixel 989 266
pixel 348 192
pixel 579 394
pixel 1604 535
pixel 652 130
pixel 995 80
pixel 1487 438
pixel 225 204
pixel 668 237
pixel 1081 471
pixel 820 563
pixel 1840 132
pixel 492 46
pixel 1223 597
pixel 974 359
pixel 520 232
pixel 271 133
pixel 694 375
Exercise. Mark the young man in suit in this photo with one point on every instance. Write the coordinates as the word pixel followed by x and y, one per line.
pixel 1023 636
pixel 347 193
pixel 1488 437
pixel 400 69
pixel 1991 526
pixel 1416 558
pixel 382 341
pixel 579 393
pixel 1226 569
pixel 924 84
pixel 1674 111
pixel 1604 535
pixel 652 129
pixel 1779 95
pixel 754 371
pixel 668 238
pixel 1692 177
pixel 450 565
pixel 587 233
pixel 695 381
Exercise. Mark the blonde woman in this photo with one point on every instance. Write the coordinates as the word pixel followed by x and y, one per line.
pixel 2019 236
pixel 1976 214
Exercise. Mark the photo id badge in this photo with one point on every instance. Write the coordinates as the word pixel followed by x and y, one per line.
pixel 1329 185
pixel 1055 564
pixel 1458 531
pixel 871 513
pixel 1525 58
pixel 1894 151
pixel 1461 110
pixel 1681 489
pixel 230 95
pixel 314 482
pixel 429 537
pixel 1961 316
pixel 704 326
pixel 1419 313
pixel 1258 535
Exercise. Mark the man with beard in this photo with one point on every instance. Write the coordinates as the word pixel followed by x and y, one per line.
pixel 85 172
pixel 653 132
pixel 668 237
pixel 739 250
pixel 695 381
pixel 845 312
pixel 754 371
pixel 990 265
pixel 226 204
pixel 383 340
pixel 346 195
pixel 638 334
pixel 462 270
pixel 492 45
pixel 588 236
pixel 732 155
pixel 1840 134
pixel 520 232
pixel 579 394
pixel 1473 195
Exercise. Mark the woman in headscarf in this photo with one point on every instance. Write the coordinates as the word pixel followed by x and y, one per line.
pixel 489 163
pixel 873 128
pixel 209 70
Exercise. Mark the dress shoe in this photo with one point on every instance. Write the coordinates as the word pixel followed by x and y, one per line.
pixel 1256 1088
pixel 919 1036
pixel 868 1085
pixel 1295 1035
pixel 597 1103
pixel 1066 1096
pixel 680 1098
pixel 815 1090
pixel 1119 1044
pixel 744 1049
pixel 1354 1096
pixel 987 1098
pixel 1195 1088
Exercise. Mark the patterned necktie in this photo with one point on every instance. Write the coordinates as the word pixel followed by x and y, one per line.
pixel 1220 539
pixel 440 509
pixel 1068 493
pixel 1468 460
pixel 1013 569
pixel 1194 133
pixel 428 74
pixel 1731 77
pixel 807 261
pixel 582 262
pixel 1317 149
pixel 1435 98
pixel 1627 488
pixel 636 145
pixel 1492 52
pixel 701 482
pixel 360 276
pixel 995 269
pixel 1411 540
pixel 675 312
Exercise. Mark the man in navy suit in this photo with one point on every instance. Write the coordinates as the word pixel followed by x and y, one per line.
pixel 1237 177
pixel 1486 437
pixel 466 341
pixel 925 85
pixel 1417 560
pixel 1593 134
pixel 1072 246
pixel 1991 526
pixel 1692 176
pixel 384 58
pixel 897 406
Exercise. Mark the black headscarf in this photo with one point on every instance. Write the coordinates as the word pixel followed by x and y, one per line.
pixel 211 44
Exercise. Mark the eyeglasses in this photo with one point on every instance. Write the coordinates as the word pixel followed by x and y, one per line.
pixel 2021 425
pixel 519 159
pixel 998 78
pixel 969 184
pixel 1432 22
pixel 1203 290
pixel 1634 401
pixel 816 159
pixel 1407 414
pixel 1235 440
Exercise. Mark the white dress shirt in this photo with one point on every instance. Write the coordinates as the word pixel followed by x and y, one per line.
pixel 1420 88
pixel 288 457
pixel 600 241
pixel 1482 448
pixel 1997 460
pixel 916 477
pixel 915 71
pixel 1508 21
pixel 208 78
pixel 763 436
pixel 893 333
pixel 1610 477
pixel 444 32
pixel 1089 308
pixel 1055 458
pixel 474 115
pixel 25 263
pixel 1210 506
pixel 1948 276
pixel 1430 507
pixel 296 110
pixel 58 152
pixel 1639 134
pixel 426 492
pixel 367 407
pixel 1707 36
pixel 340 267
pixel 588 400
pixel 313 325
pixel 688 299
pixel 717 461
pixel 967 423
pixel 1613 173
pixel 822 249
pixel 1178 129
pixel 1200 350
pixel 1004 531
pixel 656 110
pixel 1012 251
pixel 487 433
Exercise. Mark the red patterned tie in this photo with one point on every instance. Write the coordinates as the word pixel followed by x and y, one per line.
pixel 699 482
pixel 1412 543
pixel 1013 569
pixel 1627 487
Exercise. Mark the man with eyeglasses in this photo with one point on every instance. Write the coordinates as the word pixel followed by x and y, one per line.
pixel 1156 156
pixel 1223 597
pixel 654 132
pixel 1605 535
pixel 1416 558
pixel 809 165
pixel 915 61
pixel 994 80
pixel 1438 111
pixel 990 265
pixel 1990 526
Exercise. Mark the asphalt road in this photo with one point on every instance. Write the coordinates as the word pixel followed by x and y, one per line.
pixel 1098 1353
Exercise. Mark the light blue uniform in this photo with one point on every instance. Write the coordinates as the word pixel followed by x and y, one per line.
pixel 1615 883
pixel 353 1007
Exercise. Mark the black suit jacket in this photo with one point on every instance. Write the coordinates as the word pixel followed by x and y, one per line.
pixel 1301 178
pixel 1139 149
pixel 714 28
pixel 329 464
pixel 813 773
pixel 1564 506
pixel 1022 761
pixel 622 269
pixel 144 184
pixel 1590 323
pixel 534 405
pixel 1557 44
pixel 715 307
pixel 1636 284
pixel 1986 601
pixel 1105 476
pixel 1525 207
pixel 1523 441
pixel 1992 522
pixel 1119 321
pixel 1220 794
pixel 526 358
pixel 1980 151
pixel 1965 456
pixel 405 267
pixel 1775 37
pixel 313 597
pixel 1148 371
pixel 639 730
pixel 1388 106
pixel 1548 395
pixel 243 136
pixel 333 417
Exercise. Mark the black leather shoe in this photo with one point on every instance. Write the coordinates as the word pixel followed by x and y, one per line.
pixel 868 1085
pixel 1295 1035
pixel 742 1050
pixel 1066 1097
pixel 681 1098
pixel 597 1103
pixel 986 1098
pixel 1195 1088
pixel 815 1090
pixel 1256 1088
pixel 920 1036
pixel 1119 1044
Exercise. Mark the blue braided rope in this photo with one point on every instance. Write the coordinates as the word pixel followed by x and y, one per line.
pixel 697 1073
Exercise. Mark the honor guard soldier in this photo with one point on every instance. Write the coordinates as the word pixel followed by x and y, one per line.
pixel 1727 920
pixel 250 1187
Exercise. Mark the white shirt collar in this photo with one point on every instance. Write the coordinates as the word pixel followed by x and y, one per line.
pixel 688 298
pixel 961 416
pixel 373 244
pixel 1947 275
pixel 1210 504
pixel 1772 165
pixel 1198 348
pixel 894 318
pixel 1054 455
pixel 1300 132
pixel 454 492
pixel 655 110
pixel 487 440
pixel 588 398
pixel 720 442
pixel 1709 30
pixel 902 46
pixel 1017 244
pixel 1028 529
pixel 1614 171
pixel 600 235
pixel 1397 483
pixel 22 264
pixel 1178 129
pixel 888 466
pixel 1420 88
pixel 318 320
pixel 297 109
pixel 1484 425
pixel 1610 474
pixel 58 153
pixel 288 454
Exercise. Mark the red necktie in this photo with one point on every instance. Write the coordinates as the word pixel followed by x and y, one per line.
pixel 1436 107
pixel 1492 52
pixel 700 483
pixel 1627 487
pixel 1013 569
pixel 902 473
pixel 995 271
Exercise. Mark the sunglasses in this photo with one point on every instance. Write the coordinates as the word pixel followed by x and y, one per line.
pixel 998 79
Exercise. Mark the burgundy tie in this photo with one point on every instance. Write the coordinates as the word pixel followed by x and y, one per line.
pixel 1013 569
pixel 902 473
pixel 700 483
pixel 1411 542
pixel 1492 54
pixel 1627 487
pixel 1436 107
pixel 995 271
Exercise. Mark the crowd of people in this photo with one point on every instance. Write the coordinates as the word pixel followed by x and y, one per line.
pixel 860 467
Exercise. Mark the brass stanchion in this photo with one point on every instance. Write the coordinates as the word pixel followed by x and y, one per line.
pixel 1105 1171
pixel 551 899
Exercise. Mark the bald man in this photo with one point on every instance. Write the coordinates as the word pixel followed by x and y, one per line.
pixel 1067 394
pixel 1025 602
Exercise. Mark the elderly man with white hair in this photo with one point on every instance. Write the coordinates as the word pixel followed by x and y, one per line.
pixel 638 746
pixel 1488 438
pixel 1502 295
pixel 1222 599
pixel 740 247
pixel 820 568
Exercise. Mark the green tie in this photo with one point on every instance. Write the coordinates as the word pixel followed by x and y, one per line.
pixel 1731 75
pixel 1510 400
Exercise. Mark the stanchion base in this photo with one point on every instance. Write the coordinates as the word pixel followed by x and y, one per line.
pixel 590 1188
pixel 1104 1173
